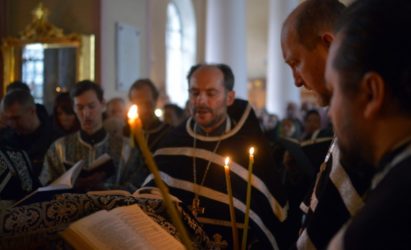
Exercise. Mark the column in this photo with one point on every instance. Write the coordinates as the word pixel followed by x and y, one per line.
pixel 226 40
pixel 280 84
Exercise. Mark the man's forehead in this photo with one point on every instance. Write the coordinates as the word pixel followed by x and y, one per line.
pixel 116 104
pixel 210 77
pixel 291 48
pixel 142 91
pixel 206 88
pixel 208 70
pixel 86 97
pixel 13 108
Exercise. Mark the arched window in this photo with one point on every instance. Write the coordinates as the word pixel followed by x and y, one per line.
pixel 33 69
pixel 180 49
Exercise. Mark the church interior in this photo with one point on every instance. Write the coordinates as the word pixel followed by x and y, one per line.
pixel 244 34
pixel 56 46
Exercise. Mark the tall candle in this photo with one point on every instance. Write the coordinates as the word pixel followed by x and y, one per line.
pixel 231 204
pixel 132 117
pixel 248 198
pixel 136 127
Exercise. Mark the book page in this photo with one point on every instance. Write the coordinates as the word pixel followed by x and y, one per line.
pixel 34 196
pixel 99 161
pixel 65 181
pixel 69 177
pixel 147 228
pixel 123 228
pixel 104 230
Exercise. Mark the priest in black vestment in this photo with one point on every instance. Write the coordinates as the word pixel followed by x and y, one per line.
pixel 191 161
pixel 16 177
pixel 144 94
pixel 29 128
pixel 371 113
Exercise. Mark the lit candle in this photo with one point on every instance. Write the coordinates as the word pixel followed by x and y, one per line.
pixel 132 121
pixel 248 198
pixel 231 203
pixel 136 128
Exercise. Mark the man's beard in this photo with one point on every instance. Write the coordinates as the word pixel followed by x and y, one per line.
pixel 201 109
pixel 349 155
pixel 215 120
pixel 355 163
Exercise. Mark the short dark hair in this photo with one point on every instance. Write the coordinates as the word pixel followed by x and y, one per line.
pixel 20 96
pixel 179 111
pixel 64 102
pixel 225 69
pixel 314 16
pixel 311 112
pixel 144 82
pixel 17 85
pixel 87 85
pixel 368 30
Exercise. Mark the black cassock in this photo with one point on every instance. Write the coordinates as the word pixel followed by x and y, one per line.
pixel 16 176
pixel 176 157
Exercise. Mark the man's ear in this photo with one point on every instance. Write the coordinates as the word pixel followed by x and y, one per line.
pixel 230 97
pixel 374 88
pixel 327 38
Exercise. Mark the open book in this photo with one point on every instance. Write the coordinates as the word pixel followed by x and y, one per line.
pixel 62 184
pixel 126 227
pixel 66 182
pixel 103 163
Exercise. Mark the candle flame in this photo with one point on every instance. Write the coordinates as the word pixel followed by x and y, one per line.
pixel 132 113
pixel 226 162
pixel 251 151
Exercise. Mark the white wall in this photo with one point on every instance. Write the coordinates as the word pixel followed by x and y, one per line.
pixel 131 12
pixel 149 16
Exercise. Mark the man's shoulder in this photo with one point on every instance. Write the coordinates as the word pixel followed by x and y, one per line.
pixel 175 136
pixel 164 127
pixel 161 130
pixel 69 139
pixel 10 152
pixel 397 180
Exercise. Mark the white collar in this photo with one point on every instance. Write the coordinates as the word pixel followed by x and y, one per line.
pixel 226 135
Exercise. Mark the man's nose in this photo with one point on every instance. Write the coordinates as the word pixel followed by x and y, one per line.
pixel 201 98
pixel 298 81
pixel 86 111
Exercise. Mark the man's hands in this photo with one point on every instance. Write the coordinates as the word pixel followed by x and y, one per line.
pixel 94 181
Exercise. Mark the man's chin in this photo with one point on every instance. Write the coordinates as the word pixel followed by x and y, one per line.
pixel 201 122
pixel 88 129
pixel 201 117
pixel 350 154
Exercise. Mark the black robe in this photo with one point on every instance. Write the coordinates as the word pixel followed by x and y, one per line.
pixel 16 177
pixel 133 177
pixel 268 204
pixel 335 196
pixel 384 221
pixel 35 144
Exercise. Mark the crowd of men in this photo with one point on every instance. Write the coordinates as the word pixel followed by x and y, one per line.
pixel 349 58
